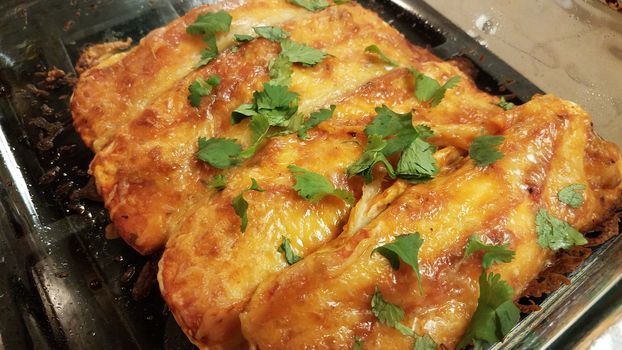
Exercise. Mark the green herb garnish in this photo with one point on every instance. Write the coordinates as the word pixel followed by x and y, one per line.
pixel 572 195
pixel 313 186
pixel 208 25
pixel 555 234
pixel 287 251
pixel 201 87
pixel 376 50
pixel 492 253
pixel 495 315
pixel 311 5
pixel 505 104
pixel 300 53
pixel 219 182
pixel 271 33
pixel 218 152
pixel 240 205
pixel 404 248
pixel 241 38
pixel 314 120
pixel 428 90
pixel 483 149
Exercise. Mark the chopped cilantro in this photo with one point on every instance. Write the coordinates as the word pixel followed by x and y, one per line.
pixel 376 50
pixel 240 205
pixel 275 102
pixel 404 247
pixel 505 104
pixel 388 122
pixel 210 23
pixel 492 253
pixel 417 163
pixel 243 37
pixel 300 53
pixel 424 342
pixel 311 5
pixel 208 53
pixel 314 120
pixel 427 89
pixel 287 251
pixel 271 33
pixel 219 182
pixel 389 314
pixel 495 315
pixel 280 70
pixel 218 152
pixel 358 344
pixel 555 234
pixel 483 149
pixel 399 126
pixel 313 186
pixel 341 2
pixel 201 87
pixel 259 125
pixel 373 154
pixel 572 195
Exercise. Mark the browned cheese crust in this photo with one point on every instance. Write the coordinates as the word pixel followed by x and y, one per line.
pixel 132 109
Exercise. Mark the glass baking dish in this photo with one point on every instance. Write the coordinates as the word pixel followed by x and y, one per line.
pixel 63 284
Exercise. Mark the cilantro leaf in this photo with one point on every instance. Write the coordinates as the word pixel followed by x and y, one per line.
pixel 280 70
pixel 259 125
pixel 275 102
pixel 399 126
pixel 424 342
pixel 218 152
pixel 208 53
pixel 242 112
pixel 483 149
pixel 287 251
pixel 219 182
pixel 255 186
pixel 313 186
pixel 505 104
pixel 388 314
pixel 404 247
pixel 388 122
pixel 314 120
pixel 358 344
pixel 311 5
pixel 376 50
pixel 417 163
pixel 427 89
pixel 210 23
pixel 243 37
pixel 492 253
pixel 373 154
pixel 240 205
pixel 271 33
pixel 556 234
pixel 341 2
pixel 300 53
pixel 495 315
pixel 201 87
pixel 572 195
